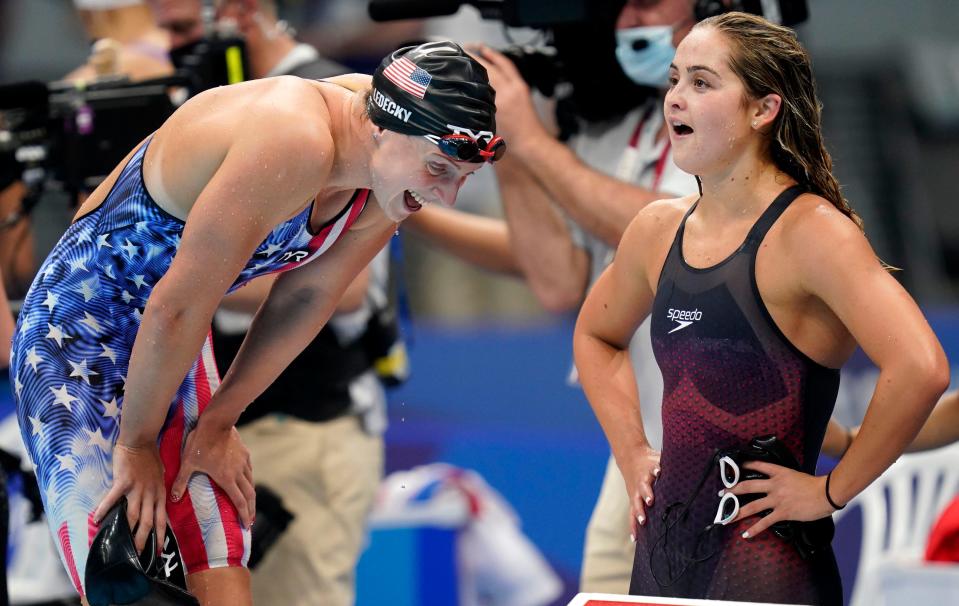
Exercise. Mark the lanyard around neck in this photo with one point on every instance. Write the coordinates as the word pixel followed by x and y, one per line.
pixel 631 156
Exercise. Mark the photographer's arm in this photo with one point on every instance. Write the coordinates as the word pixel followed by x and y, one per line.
pixel 601 204
pixel 557 270
pixel 940 429
pixel 481 241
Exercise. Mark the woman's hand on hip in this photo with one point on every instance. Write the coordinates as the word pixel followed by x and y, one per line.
pixel 789 494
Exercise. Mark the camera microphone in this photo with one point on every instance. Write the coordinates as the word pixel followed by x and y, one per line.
pixel 23 94
pixel 392 10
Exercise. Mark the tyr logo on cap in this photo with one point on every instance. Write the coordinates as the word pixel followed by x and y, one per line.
pixel 475 136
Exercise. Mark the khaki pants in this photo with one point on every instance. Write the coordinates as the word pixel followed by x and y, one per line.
pixel 327 475
pixel 608 553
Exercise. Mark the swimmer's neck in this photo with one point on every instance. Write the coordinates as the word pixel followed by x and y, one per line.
pixel 744 186
pixel 353 143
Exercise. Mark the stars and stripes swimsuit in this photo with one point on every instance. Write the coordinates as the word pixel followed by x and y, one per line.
pixel 72 348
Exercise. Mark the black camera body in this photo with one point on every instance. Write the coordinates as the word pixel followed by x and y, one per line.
pixel 217 59
pixel 67 137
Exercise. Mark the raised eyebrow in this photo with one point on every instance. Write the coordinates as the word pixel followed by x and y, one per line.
pixel 696 68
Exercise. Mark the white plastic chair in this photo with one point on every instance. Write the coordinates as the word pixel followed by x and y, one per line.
pixel 898 510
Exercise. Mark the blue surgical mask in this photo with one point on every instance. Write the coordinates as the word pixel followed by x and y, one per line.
pixel 648 66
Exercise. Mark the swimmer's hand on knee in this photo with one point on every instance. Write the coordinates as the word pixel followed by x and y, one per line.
pixel 218 452
pixel 138 475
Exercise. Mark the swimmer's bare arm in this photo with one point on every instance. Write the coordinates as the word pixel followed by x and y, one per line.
pixel 533 242
pixel 297 307
pixel 940 429
pixel 557 270
pixel 249 298
pixel 834 262
pixel 260 181
pixel 481 241
pixel 616 305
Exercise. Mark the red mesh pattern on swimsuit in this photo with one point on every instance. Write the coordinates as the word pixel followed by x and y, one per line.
pixel 729 375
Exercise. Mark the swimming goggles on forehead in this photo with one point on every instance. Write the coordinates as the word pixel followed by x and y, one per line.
pixel 464 148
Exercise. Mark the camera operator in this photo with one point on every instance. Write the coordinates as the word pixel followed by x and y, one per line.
pixel 271 46
pixel 315 436
pixel 125 42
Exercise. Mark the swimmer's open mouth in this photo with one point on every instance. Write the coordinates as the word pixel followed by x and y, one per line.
pixel 413 201
pixel 680 129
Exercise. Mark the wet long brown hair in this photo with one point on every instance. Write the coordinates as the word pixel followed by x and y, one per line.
pixel 768 59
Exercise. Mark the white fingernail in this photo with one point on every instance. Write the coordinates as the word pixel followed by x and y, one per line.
pixel 649 500
pixel 641 519
pixel 721 492
pixel 656 472
pixel 746 535
pixel 632 538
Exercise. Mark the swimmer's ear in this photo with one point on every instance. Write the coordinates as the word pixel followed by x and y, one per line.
pixel 765 111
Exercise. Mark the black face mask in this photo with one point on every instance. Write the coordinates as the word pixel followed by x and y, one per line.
pixel 116 574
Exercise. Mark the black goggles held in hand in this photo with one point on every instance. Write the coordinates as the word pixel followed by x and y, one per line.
pixel 464 148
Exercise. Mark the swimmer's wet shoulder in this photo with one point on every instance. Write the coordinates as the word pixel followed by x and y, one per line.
pixel 265 146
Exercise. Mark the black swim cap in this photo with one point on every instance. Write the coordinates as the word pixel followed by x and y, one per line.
pixel 433 89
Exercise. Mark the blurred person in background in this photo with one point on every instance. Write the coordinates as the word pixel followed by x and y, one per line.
pixel 315 435
pixel 765 321
pixel 940 429
pixel 343 30
pixel 125 42
pixel 271 45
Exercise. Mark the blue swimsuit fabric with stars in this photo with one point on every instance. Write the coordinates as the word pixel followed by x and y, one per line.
pixel 72 348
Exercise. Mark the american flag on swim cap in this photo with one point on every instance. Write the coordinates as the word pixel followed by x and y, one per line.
pixel 404 73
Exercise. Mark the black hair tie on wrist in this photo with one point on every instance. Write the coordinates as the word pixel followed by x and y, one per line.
pixel 829 498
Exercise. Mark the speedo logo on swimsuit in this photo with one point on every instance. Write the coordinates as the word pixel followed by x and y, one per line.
pixel 683 318
pixel 390 106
